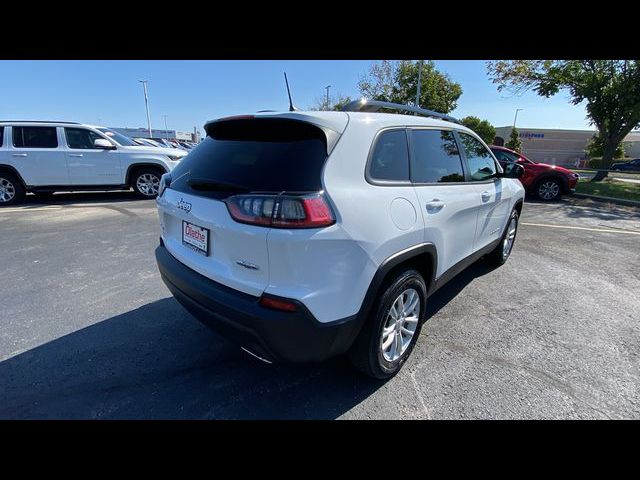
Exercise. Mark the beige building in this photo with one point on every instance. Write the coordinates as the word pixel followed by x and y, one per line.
pixel 562 147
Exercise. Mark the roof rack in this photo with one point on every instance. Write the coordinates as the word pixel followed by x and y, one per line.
pixel 39 121
pixel 365 105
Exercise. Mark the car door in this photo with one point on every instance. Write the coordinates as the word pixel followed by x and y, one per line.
pixel 449 205
pixel 493 207
pixel 89 165
pixel 36 153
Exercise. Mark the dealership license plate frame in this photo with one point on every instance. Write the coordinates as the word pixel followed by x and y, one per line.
pixel 204 251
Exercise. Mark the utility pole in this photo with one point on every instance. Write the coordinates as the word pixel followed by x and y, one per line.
pixel 146 102
pixel 166 130
pixel 516 117
pixel 327 89
pixel 419 83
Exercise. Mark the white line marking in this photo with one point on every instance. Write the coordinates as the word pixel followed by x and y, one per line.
pixel 606 230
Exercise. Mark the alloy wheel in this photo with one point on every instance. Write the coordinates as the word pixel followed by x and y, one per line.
pixel 549 190
pixel 7 190
pixel 400 325
pixel 148 184
pixel 509 238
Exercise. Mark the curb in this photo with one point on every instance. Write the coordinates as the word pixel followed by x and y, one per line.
pixel 617 201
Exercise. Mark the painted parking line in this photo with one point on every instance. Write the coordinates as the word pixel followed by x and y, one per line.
pixel 604 230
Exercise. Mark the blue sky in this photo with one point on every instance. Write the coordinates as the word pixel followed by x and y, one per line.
pixel 192 92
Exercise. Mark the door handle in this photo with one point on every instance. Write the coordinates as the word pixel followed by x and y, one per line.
pixel 486 196
pixel 19 154
pixel 75 154
pixel 435 205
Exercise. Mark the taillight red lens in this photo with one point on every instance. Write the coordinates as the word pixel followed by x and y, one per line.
pixel 278 304
pixel 282 211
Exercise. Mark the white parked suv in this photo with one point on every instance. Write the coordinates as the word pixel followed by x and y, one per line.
pixel 44 157
pixel 304 235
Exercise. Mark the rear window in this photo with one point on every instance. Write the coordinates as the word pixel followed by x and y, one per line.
pixel 266 155
pixel 35 137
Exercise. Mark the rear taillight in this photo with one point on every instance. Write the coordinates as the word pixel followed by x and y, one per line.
pixel 281 211
pixel 277 303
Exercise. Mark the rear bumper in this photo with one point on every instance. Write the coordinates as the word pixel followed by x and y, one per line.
pixel 270 334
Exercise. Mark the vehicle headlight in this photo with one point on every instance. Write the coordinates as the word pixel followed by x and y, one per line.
pixel 175 158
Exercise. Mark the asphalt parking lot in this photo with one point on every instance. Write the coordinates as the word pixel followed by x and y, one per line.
pixel 88 329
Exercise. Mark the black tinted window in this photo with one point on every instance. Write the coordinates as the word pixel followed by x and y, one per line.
pixel 80 138
pixel 35 137
pixel 390 158
pixel 1 136
pixel 270 155
pixel 481 163
pixel 435 157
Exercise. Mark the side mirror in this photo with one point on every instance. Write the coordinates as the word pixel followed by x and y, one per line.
pixel 513 170
pixel 103 144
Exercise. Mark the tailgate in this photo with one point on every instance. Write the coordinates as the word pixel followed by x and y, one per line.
pixel 230 244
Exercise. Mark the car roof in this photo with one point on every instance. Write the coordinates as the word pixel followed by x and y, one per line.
pixel 337 121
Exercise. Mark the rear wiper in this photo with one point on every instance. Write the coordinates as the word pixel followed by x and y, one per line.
pixel 215 185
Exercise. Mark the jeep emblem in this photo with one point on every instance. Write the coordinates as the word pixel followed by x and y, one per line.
pixel 182 205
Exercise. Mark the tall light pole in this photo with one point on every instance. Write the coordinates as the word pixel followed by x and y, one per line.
pixel 516 117
pixel 146 102
pixel 166 130
pixel 327 89
pixel 419 83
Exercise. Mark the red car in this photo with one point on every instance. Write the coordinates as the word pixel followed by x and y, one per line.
pixel 547 182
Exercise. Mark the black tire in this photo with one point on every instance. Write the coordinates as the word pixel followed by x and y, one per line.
pixel 139 180
pixel 498 256
pixel 366 353
pixel 548 189
pixel 11 190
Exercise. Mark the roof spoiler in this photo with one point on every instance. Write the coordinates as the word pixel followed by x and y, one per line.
pixel 365 105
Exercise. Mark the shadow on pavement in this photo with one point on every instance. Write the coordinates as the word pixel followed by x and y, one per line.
pixel 32 201
pixel 159 362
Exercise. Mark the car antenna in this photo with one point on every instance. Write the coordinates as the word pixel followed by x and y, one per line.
pixel 286 81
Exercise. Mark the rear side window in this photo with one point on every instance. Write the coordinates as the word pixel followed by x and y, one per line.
pixel 481 163
pixel 80 138
pixel 390 158
pixel 266 155
pixel 35 137
pixel 436 158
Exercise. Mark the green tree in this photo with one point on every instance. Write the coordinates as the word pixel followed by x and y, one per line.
pixel 595 148
pixel 610 88
pixel 335 102
pixel 483 128
pixel 397 82
pixel 514 142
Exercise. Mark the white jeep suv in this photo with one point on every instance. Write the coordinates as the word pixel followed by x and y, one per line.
pixel 44 157
pixel 304 235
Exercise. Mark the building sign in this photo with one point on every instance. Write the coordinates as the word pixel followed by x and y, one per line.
pixel 531 135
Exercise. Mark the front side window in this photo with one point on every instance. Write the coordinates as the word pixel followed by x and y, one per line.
pixel 35 137
pixel 390 158
pixel 481 163
pixel 80 138
pixel 436 158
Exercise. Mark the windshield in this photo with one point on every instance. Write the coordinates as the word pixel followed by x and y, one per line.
pixel 118 138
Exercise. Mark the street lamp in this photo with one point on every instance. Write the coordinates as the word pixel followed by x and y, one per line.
pixel 516 117
pixel 146 102
pixel 166 130
pixel 327 89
